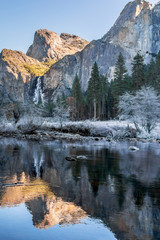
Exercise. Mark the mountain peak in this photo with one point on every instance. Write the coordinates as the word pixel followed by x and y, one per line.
pixel 49 45
pixel 132 23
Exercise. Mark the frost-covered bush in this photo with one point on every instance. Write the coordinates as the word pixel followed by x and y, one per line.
pixel 141 108
pixel 29 125
pixel 7 127
pixel 61 114
pixel 102 131
pixel 124 132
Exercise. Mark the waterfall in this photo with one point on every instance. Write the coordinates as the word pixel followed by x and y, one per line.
pixel 38 94
pixel 38 162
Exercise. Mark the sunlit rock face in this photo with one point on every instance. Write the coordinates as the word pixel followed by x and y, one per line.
pixel 133 29
pixel 14 76
pixel 49 45
pixel 48 211
pixel 46 208
pixel 136 29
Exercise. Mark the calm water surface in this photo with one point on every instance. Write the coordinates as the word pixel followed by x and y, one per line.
pixel 111 194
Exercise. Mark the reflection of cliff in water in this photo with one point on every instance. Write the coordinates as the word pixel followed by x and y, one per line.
pixel 117 186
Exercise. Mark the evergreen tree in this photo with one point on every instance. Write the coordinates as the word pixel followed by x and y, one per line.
pixel 63 99
pixel 158 72
pixel 138 73
pixel 151 74
pixel 58 100
pixel 110 104
pixel 93 90
pixel 77 94
pixel 102 98
pixel 119 76
pixel 118 86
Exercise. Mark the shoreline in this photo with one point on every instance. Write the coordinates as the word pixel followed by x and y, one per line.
pixel 42 135
pixel 40 129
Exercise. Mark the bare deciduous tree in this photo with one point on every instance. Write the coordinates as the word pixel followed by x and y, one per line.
pixel 141 108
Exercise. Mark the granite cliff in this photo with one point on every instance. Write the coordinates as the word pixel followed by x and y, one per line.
pixel 49 45
pixel 18 70
pixel 136 29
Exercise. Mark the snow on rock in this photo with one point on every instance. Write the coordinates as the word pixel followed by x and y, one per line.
pixel 81 157
pixel 133 148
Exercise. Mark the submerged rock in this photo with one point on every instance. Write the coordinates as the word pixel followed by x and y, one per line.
pixel 71 159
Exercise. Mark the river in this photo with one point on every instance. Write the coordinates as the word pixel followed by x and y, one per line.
pixel 109 192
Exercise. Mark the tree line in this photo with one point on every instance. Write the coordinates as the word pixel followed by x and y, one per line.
pixel 101 99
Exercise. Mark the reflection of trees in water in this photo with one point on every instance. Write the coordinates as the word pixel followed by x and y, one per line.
pixel 139 192
pixel 154 192
pixel 105 163
pixel 102 168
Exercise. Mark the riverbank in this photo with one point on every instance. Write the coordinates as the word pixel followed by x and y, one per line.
pixel 40 129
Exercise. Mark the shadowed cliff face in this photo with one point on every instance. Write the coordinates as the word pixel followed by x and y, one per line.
pixel 113 184
pixel 135 30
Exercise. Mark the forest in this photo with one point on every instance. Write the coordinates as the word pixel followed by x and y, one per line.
pixel 100 101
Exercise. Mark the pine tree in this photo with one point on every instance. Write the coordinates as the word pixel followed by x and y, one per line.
pixel 138 73
pixel 77 94
pixel 151 74
pixel 93 90
pixel 58 100
pixel 102 98
pixel 63 99
pixel 118 86
pixel 158 72
pixel 119 75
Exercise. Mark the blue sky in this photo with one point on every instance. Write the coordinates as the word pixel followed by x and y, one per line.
pixel 90 19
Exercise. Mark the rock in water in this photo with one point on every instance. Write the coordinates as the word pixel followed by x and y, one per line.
pixel 81 157
pixel 133 148
pixel 70 159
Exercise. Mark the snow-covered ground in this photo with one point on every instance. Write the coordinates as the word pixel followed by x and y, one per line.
pixel 110 129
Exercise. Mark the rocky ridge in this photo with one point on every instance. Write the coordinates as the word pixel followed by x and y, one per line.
pixel 49 45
